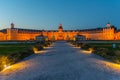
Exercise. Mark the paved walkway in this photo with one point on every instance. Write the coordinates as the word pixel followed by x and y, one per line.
pixel 62 62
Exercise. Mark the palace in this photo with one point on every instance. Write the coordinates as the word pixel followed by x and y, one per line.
pixel 107 33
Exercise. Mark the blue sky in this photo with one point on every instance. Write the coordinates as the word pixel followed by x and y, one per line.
pixel 47 14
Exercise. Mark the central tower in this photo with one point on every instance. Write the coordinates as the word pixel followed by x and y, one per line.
pixel 60 28
pixel 60 33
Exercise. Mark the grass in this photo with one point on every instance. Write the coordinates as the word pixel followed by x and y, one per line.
pixel 6 49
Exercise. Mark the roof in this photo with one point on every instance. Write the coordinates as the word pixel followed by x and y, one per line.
pixel 94 29
pixel 29 30
pixel 3 30
pixel 60 26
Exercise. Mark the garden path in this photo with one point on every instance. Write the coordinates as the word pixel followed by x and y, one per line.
pixel 62 62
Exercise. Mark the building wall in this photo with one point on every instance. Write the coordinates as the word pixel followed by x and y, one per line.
pixel 109 34
pixel 60 34
pixel 117 36
pixel 3 36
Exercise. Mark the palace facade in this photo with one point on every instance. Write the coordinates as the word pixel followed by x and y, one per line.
pixel 107 33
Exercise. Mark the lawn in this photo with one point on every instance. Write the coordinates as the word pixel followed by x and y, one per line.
pixel 6 49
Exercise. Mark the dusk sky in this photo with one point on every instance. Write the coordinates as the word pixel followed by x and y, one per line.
pixel 48 14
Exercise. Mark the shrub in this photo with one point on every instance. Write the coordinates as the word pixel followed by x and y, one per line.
pixel 17 56
pixel 37 48
pixel 117 52
pixel 46 45
pixel 100 51
pixel 14 57
pixel 81 44
pixel 4 62
pixel 73 42
pixel 77 44
pixel 40 47
pixel 85 47
pixel 110 53
pixel 116 59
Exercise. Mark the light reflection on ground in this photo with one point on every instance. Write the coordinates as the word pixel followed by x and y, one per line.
pixel 40 52
pixel 13 67
pixel 114 66
pixel 8 67
pixel 86 52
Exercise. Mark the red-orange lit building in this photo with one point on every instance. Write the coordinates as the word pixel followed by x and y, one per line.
pixel 107 33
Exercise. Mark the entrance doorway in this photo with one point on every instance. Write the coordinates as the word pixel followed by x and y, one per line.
pixel 60 37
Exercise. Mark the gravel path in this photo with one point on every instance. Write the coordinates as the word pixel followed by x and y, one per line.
pixel 62 62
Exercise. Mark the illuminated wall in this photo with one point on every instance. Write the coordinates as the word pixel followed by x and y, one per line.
pixel 3 36
pixel 107 33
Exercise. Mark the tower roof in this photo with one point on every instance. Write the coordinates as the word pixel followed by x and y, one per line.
pixel 60 26
pixel 12 25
